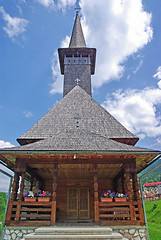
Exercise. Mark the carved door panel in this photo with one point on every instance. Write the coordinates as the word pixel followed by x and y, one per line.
pixel 83 203
pixel 78 203
pixel 72 203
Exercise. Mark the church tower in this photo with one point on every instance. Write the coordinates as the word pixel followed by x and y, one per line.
pixel 77 62
pixel 76 151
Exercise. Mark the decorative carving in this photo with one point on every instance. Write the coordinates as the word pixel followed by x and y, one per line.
pixel 22 186
pixel 55 172
pixel 15 186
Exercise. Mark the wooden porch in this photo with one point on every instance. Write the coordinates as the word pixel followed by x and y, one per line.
pixel 94 178
pixel 44 214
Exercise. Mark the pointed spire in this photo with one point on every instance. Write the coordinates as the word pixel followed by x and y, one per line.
pixel 77 39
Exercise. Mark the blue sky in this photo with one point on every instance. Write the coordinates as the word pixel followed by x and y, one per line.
pixel 127 35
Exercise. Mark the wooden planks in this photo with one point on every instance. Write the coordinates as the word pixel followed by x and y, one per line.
pixel 21 213
pixel 119 213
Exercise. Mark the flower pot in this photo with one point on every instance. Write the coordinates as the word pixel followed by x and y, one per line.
pixel 43 199
pixel 28 199
pixel 106 199
pixel 120 199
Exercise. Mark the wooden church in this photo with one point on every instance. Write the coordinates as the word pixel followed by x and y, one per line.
pixel 76 151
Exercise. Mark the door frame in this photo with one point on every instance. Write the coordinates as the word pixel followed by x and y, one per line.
pixel 77 215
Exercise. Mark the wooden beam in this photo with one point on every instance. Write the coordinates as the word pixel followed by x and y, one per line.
pixel 72 161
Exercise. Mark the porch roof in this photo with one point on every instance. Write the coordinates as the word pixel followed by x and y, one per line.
pixel 78 147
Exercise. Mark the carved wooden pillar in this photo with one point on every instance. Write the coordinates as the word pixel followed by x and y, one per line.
pixel 129 193
pixel 53 205
pixel 18 210
pixel 127 181
pixel 15 186
pixel 96 200
pixel 22 186
pixel 137 195
pixel 135 183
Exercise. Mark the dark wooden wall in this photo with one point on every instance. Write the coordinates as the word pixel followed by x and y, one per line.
pixel 63 184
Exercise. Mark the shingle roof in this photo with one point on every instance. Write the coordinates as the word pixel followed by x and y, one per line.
pixel 77 39
pixel 93 118
pixel 78 139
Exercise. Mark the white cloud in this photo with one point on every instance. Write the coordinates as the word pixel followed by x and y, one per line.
pixel 136 110
pixel 57 85
pixel 158 141
pixel 14 26
pixel 4 144
pixel 27 114
pixel 138 67
pixel 117 29
pixel 46 3
pixel 157 75
pixel 60 3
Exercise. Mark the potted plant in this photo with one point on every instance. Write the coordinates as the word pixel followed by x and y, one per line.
pixel 106 196
pixel 29 197
pixel 43 196
pixel 120 197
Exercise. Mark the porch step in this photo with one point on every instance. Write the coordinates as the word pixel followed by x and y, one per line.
pixel 74 233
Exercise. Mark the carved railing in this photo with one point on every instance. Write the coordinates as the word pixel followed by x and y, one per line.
pixel 30 213
pixel 120 213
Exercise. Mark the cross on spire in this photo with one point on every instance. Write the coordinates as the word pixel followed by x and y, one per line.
pixel 77 118
pixel 77 81
pixel 77 9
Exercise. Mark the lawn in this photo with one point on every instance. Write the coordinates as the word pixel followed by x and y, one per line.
pixel 153 213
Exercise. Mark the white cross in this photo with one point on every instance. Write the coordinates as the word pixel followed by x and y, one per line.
pixel 77 80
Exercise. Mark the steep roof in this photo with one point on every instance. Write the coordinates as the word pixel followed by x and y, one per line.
pixel 77 110
pixel 77 39
pixel 79 140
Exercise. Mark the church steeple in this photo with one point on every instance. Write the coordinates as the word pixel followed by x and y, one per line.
pixel 77 39
pixel 77 62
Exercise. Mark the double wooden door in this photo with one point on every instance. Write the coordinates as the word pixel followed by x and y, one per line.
pixel 78 203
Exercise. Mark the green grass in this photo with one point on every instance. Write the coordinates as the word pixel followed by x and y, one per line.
pixel 153 213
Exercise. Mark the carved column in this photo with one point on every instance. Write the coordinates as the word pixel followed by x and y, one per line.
pixel 96 200
pixel 129 193
pixel 137 194
pixel 127 181
pixel 22 186
pixel 15 186
pixel 53 206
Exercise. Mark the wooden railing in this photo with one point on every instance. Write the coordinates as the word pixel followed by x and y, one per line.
pixel 120 213
pixel 30 214
pixel 43 214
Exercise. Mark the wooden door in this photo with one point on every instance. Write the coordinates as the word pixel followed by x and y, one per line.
pixel 72 203
pixel 83 203
pixel 78 203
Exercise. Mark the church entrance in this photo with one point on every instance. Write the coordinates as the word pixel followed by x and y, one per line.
pixel 78 203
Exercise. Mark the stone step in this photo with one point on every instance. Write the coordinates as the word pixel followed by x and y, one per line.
pixel 73 231
pixel 115 236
